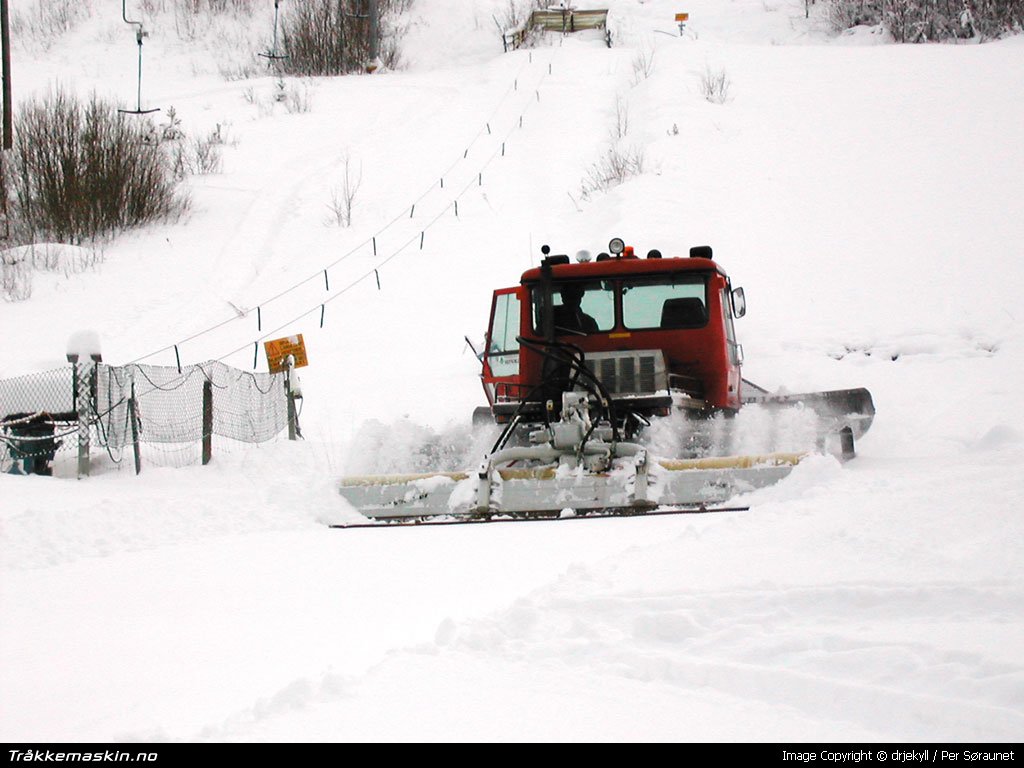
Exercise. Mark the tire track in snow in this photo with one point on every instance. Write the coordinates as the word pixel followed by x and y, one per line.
pixel 858 655
pixel 855 652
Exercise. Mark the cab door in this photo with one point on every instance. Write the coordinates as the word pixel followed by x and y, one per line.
pixel 501 354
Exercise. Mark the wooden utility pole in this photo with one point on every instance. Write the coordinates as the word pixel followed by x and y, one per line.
pixel 373 32
pixel 5 40
pixel 8 130
pixel 368 11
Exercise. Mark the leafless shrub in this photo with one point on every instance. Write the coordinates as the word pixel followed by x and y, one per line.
pixel 206 152
pixel 343 196
pixel 82 171
pixel 714 85
pixel 44 21
pixel 15 276
pixel 643 65
pixel 513 22
pixel 621 127
pixel 327 37
pixel 844 14
pixel 914 21
pixel 233 71
pixel 297 99
pixel 194 155
pixel 196 7
pixel 394 27
pixel 314 37
pixel 515 13
pixel 19 264
pixel 616 166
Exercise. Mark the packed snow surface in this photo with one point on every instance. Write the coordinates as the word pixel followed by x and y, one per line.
pixel 865 195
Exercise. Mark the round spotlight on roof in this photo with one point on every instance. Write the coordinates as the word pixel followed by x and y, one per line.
pixel 617 246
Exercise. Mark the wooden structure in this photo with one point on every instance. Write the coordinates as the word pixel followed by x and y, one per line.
pixel 559 19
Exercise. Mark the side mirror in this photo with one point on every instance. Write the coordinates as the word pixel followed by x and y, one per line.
pixel 739 303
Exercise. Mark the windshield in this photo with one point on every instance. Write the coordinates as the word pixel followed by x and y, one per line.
pixel 670 301
pixel 580 307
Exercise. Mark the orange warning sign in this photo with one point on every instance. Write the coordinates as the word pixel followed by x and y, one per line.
pixel 279 349
pixel 682 17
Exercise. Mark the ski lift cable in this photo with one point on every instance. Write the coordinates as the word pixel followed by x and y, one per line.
pixel 373 271
pixel 474 181
pixel 400 216
pixel 321 304
pixel 366 275
pixel 319 274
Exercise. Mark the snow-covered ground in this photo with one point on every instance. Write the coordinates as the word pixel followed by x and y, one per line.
pixel 866 196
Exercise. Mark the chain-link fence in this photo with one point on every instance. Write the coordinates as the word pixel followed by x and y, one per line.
pixel 157 414
pixel 38 418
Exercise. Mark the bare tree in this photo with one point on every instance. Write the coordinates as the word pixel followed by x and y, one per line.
pixel 343 195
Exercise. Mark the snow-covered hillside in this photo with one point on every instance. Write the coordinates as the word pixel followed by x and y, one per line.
pixel 864 194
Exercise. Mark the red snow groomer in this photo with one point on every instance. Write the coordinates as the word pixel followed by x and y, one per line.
pixel 581 360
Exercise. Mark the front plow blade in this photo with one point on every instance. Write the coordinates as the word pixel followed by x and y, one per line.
pixel 546 492
pixel 838 408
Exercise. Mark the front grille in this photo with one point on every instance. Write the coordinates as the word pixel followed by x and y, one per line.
pixel 627 375
pixel 639 372
pixel 647 374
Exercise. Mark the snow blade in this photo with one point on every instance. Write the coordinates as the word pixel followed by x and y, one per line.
pixel 630 487
pixel 838 408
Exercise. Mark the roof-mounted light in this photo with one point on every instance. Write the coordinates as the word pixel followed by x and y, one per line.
pixel 617 246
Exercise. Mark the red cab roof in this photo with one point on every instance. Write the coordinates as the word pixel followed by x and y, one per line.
pixel 623 267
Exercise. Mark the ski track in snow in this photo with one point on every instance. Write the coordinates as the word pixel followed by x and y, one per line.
pixel 865 658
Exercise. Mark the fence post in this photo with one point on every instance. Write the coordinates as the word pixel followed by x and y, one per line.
pixel 134 419
pixel 85 380
pixel 207 421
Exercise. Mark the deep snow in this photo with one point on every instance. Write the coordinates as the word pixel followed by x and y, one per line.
pixel 864 195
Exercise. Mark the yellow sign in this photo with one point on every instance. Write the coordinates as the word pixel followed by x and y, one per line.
pixel 682 17
pixel 279 349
